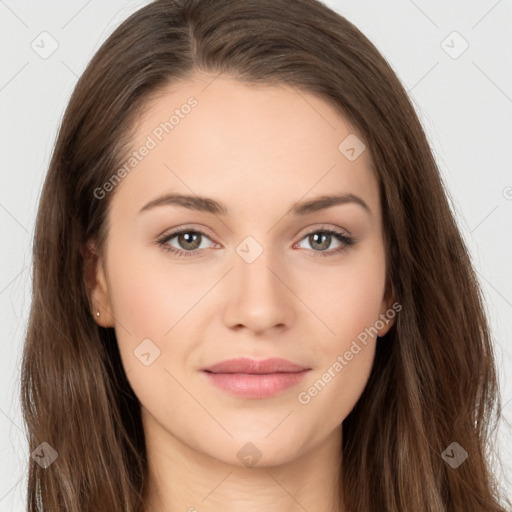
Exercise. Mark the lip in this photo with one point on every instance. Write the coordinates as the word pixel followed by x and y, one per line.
pixel 253 366
pixel 250 378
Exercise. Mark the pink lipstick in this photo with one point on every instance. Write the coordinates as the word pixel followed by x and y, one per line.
pixel 249 378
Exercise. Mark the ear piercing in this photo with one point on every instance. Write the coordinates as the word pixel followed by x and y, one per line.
pixel 97 313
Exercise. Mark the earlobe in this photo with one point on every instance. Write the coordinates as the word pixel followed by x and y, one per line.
pixel 96 283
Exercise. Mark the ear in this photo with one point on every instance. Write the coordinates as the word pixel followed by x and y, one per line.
pixel 96 283
pixel 388 311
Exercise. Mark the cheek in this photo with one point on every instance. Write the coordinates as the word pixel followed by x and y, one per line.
pixel 344 356
pixel 349 299
pixel 335 389
pixel 143 310
pixel 146 299
pixel 350 307
pixel 155 302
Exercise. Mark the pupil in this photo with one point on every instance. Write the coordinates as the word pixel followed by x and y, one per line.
pixel 188 239
pixel 324 245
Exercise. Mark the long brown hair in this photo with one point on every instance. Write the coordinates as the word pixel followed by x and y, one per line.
pixel 434 377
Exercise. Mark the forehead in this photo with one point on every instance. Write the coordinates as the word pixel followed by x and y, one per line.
pixel 254 147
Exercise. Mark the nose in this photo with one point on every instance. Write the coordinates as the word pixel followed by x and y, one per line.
pixel 259 297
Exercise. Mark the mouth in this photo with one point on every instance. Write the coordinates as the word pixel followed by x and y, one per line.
pixel 249 378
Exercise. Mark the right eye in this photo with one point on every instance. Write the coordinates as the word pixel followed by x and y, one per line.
pixel 185 237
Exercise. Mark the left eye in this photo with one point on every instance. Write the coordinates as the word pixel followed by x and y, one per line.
pixel 191 241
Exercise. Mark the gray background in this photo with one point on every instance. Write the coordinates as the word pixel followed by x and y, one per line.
pixel 464 101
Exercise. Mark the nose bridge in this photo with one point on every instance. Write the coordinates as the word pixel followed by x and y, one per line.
pixel 258 298
pixel 253 266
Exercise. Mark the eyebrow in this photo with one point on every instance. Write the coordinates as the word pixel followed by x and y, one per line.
pixel 208 205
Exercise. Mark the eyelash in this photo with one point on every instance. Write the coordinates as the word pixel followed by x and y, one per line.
pixel 344 239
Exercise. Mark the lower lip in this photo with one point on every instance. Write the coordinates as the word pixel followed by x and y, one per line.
pixel 255 385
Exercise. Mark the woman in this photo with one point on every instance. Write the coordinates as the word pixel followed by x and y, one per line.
pixel 250 281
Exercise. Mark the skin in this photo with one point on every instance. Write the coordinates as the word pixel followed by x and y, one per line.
pixel 257 149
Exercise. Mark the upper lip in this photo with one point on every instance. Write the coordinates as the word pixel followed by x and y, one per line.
pixel 246 365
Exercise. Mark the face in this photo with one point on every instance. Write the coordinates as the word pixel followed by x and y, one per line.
pixel 251 275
